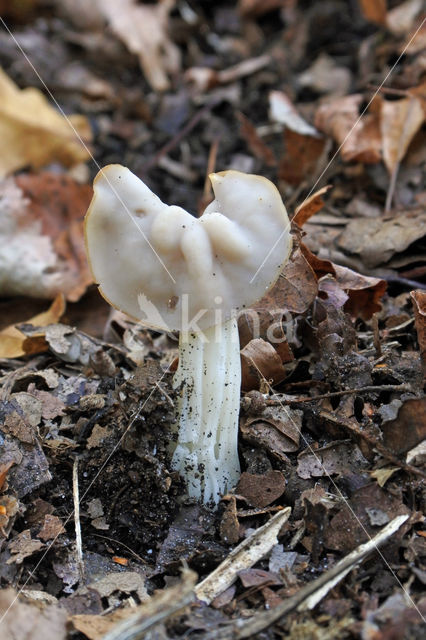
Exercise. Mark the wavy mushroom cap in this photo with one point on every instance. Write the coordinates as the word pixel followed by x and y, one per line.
pixel 164 267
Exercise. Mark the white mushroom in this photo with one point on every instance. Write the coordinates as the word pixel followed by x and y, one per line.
pixel 173 271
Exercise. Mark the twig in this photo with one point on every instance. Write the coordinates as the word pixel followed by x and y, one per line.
pixel 308 596
pixel 76 498
pixel 245 555
pixel 162 606
pixel 179 136
pixel 336 394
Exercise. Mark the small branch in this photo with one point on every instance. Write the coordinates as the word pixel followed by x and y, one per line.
pixel 76 498
pixel 336 394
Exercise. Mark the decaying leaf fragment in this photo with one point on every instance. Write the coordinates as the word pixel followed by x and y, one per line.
pixel 13 343
pixel 41 236
pixel 33 133
pixel 144 30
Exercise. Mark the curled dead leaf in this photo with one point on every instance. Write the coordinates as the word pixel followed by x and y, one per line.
pixel 13 343
pixel 310 206
pixel 260 360
pixel 144 29
pixel 295 289
pixel 359 138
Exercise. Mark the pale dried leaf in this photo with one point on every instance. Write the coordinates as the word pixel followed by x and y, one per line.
pixel 144 30
pixel 13 343
pixel 34 133
pixel 400 120
pixel 20 620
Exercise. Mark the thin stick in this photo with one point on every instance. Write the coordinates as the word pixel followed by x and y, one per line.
pixel 76 498
pixel 336 394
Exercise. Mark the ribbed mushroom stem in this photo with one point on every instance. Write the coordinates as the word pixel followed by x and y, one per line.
pixel 209 377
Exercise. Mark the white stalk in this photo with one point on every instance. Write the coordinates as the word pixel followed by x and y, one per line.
pixel 209 377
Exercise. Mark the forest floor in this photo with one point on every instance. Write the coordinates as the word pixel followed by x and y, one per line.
pixel 97 537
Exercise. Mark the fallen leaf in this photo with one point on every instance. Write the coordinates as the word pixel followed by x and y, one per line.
pixel 95 627
pixel 229 525
pixel 408 429
pixel 419 303
pixel 310 206
pixel 275 429
pixel 41 236
pixel 144 29
pixel 21 620
pixel 255 143
pixel 255 8
pixel 399 122
pixel 261 489
pixel 300 158
pixel 13 343
pixel 51 529
pixel 364 292
pixel 374 10
pixel 282 110
pixel 376 240
pixel 359 139
pixel 34 134
pixel 260 360
pixel 295 289
pixel 400 20
pixel 325 76
pixel 23 546
pixel 351 525
pixel 383 474
pixel 335 458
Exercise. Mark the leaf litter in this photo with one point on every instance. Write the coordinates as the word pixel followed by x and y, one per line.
pixel 332 414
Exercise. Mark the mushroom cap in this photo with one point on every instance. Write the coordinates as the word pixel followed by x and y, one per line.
pixel 172 271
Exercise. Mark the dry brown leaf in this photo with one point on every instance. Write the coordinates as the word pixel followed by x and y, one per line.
pixel 21 620
pixel 310 206
pixel 22 546
pixel 144 30
pixel 259 359
pixel 261 489
pixel 364 292
pixel 419 303
pixel 255 8
pixel 255 143
pixel 360 140
pixel 276 428
pixel 41 236
pixel 376 240
pixel 374 10
pixel 52 528
pixel 13 343
pixel 325 76
pixel 33 133
pixel 399 122
pixel 408 428
pixel 295 289
pixel 352 525
pixel 401 19
pixel 300 158
pixel 95 627
pixel 420 93
pixel 335 458
pixel 417 42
